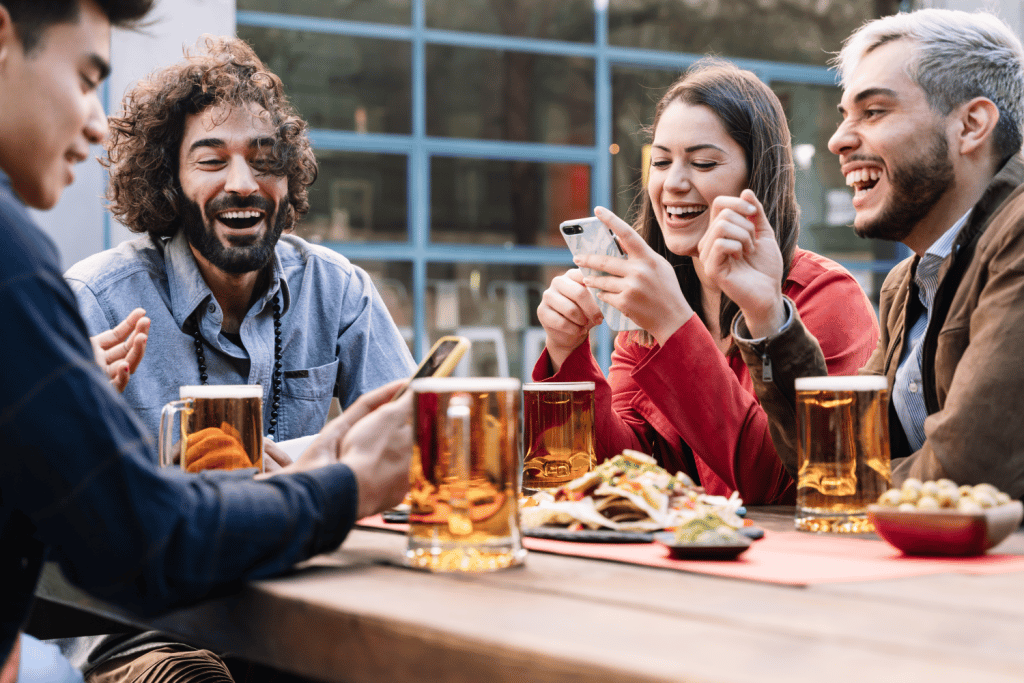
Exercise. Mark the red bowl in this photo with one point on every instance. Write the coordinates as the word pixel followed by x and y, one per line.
pixel 946 532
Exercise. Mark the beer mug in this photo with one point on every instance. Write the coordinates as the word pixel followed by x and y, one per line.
pixel 464 514
pixel 221 428
pixel 843 451
pixel 558 433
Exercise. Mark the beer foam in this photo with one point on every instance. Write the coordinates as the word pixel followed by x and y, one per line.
pixel 222 391
pixel 842 383
pixel 440 385
pixel 558 386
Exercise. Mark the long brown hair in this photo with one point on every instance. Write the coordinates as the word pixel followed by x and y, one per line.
pixel 143 147
pixel 752 116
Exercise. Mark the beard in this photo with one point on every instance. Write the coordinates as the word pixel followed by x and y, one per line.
pixel 246 253
pixel 916 186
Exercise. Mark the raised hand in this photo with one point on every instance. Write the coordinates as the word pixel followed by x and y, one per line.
pixel 119 350
pixel 568 312
pixel 644 286
pixel 741 257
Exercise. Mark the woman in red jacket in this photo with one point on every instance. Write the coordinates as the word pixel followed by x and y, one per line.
pixel 678 388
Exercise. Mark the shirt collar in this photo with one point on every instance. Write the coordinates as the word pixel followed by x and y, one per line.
pixel 926 275
pixel 188 289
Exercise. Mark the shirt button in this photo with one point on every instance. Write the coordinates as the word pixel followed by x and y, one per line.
pixel 913 387
pixel 212 308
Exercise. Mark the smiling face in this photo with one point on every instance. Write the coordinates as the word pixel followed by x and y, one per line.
pixel 892 146
pixel 693 160
pixel 234 211
pixel 50 111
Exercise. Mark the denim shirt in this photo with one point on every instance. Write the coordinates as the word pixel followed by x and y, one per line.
pixel 337 337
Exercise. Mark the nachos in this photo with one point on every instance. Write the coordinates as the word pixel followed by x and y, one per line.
pixel 630 492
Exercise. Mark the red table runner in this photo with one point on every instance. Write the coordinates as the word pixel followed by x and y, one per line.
pixel 793 558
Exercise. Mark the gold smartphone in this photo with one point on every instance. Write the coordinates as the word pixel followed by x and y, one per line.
pixel 441 360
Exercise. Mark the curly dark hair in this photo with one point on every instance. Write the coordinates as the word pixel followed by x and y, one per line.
pixel 145 139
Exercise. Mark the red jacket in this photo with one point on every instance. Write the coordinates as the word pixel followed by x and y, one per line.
pixel 687 395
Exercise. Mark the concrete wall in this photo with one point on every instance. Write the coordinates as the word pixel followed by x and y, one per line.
pixel 79 223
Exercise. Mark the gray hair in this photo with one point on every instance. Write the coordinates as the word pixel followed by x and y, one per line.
pixel 956 56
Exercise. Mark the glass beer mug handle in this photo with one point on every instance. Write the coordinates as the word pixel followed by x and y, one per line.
pixel 166 442
pixel 458 414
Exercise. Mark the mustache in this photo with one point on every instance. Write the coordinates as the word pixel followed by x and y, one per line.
pixel 226 203
pixel 863 157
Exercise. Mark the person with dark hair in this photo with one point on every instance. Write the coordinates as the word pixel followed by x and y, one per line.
pixel 677 388
pixel 930 142
pixel 78 479
pixel 210 160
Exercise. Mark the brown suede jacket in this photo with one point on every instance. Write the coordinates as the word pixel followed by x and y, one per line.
pixel 973 362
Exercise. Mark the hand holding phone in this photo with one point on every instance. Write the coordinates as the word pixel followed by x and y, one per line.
pixel 440 362
pixel 591 236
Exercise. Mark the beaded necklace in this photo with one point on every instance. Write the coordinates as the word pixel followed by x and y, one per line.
pixel 275 391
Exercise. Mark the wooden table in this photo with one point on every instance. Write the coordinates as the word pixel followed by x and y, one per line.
pixel 359 617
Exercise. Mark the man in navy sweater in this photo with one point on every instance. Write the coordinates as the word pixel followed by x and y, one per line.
pixel 77 481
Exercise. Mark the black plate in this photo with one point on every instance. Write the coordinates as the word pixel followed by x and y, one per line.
pixel 588 535
pixel 699 551
pixel 395 516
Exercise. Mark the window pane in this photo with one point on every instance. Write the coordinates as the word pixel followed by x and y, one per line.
pixel 340 82
pixel 478 201
pixel 559 20
pixel 804 32
pixel 635 93
pixel 826 203
pixel 384 11
pixel 394 282
pixel 517 96
pixel 358 197
pixel 496 307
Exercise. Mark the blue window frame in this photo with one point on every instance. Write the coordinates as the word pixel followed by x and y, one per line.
pixel 418 251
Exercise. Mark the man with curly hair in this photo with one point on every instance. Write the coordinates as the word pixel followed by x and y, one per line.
pixel 78 482
pixel 210 160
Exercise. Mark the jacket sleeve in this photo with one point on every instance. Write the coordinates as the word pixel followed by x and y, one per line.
pixel 699 401
pixel 975 437
pixel 692 384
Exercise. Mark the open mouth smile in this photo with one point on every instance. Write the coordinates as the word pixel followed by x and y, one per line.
pixel 241 219
pixel 862 180
pixel 685 212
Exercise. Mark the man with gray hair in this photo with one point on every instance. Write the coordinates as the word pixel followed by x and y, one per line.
pixel 930 142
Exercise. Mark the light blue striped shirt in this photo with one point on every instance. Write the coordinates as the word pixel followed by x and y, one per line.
pixel 908 390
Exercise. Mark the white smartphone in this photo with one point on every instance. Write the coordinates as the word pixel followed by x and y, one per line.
pixel 441 361
pixel 591 236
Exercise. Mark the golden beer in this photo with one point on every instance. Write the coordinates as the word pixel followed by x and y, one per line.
pixel 221 428
pixel 558 433
pixel 464 514
pixel 843 442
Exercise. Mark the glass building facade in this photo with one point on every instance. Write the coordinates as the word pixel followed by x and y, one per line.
pixel 455 135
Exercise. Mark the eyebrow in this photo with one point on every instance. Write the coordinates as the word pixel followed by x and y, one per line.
pixel 218 143
pixel 871 92
pixel 693 148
